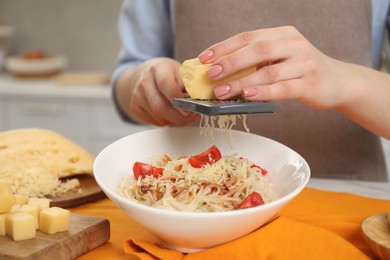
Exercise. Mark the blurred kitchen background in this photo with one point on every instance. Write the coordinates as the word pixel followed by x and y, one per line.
pixel 84 31
pixel 58 57
pixel 75 100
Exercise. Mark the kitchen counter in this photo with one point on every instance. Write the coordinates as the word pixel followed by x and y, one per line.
pixel 46 87
pixel 83 113
pixel 379 190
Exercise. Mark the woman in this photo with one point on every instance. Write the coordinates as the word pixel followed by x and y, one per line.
pixel 313 59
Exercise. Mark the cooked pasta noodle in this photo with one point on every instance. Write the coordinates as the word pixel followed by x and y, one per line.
pixel 220 186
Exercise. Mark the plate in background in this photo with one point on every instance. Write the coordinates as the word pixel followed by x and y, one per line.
pixel 45 67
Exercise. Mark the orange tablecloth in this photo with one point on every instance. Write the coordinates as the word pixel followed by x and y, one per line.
pixel 316 224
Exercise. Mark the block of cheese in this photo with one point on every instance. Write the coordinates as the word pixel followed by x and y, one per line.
pixel 14 208
pixel 33 210
pixel 33 161
pixel 20 199
pixel 196 82
pixel 2 224
pixel 33 147
pixel 53 220
pixel 20 226
pixel 42 203
pixel 6 197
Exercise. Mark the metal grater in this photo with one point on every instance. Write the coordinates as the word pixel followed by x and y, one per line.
pixel 224 107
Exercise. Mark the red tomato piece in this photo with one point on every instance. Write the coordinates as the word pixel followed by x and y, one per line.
pixel 254 199
pixel 143 169
pixel 209 156
pixel 263 171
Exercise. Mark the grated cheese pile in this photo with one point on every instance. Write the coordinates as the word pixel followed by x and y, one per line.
pixel 32 172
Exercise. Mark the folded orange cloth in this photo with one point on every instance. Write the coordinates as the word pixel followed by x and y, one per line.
pixel 315 225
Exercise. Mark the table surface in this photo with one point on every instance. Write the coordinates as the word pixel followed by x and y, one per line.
pixel 122 227
pixel 379 190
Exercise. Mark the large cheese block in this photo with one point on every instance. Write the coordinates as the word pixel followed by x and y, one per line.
pixel 198 85
pixel 34 147
pixel 34 160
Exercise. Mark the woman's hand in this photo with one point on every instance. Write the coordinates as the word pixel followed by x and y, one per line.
pixel 290 67
pixel 145 93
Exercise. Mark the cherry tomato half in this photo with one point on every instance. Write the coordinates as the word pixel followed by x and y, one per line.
pixel 254 199
pixel 143 169
pixel 209 156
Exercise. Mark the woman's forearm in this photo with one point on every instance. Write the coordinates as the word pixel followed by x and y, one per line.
pixel 369 103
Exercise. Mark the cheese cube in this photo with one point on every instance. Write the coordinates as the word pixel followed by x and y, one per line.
pixel 41 202
pixel 6 197
pixel 33 210
pixel 14 208
pixel 53 220
pixel 20 199
pixel 2 224
pixel 198 85
pixel 20 226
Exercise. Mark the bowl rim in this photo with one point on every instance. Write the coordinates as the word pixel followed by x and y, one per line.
pixel 280 200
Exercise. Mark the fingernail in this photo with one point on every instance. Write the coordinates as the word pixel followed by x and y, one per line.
pixel 221 90
pixel 205 56
pixel 214 71
pixel 250 92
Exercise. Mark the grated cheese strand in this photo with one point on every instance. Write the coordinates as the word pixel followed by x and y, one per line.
pixel 225 123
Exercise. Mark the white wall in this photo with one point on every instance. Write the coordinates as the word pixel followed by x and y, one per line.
pixel 85 31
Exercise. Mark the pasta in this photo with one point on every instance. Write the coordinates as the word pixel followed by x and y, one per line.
pixel 219 185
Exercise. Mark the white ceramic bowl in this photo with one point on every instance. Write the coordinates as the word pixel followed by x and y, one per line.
pixel 190 231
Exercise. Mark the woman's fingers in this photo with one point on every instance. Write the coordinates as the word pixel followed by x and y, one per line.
pixel 258 54
pixel 290 89
pixel 241 40
pixel 167 80
pixel 266 75
pixel 153 95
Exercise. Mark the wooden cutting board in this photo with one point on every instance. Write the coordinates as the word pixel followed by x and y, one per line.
pixel 89 192
pixel 85 233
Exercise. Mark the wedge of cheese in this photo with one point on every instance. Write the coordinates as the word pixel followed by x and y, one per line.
pixel 33 160
pixel 196 82
pixel 45 148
